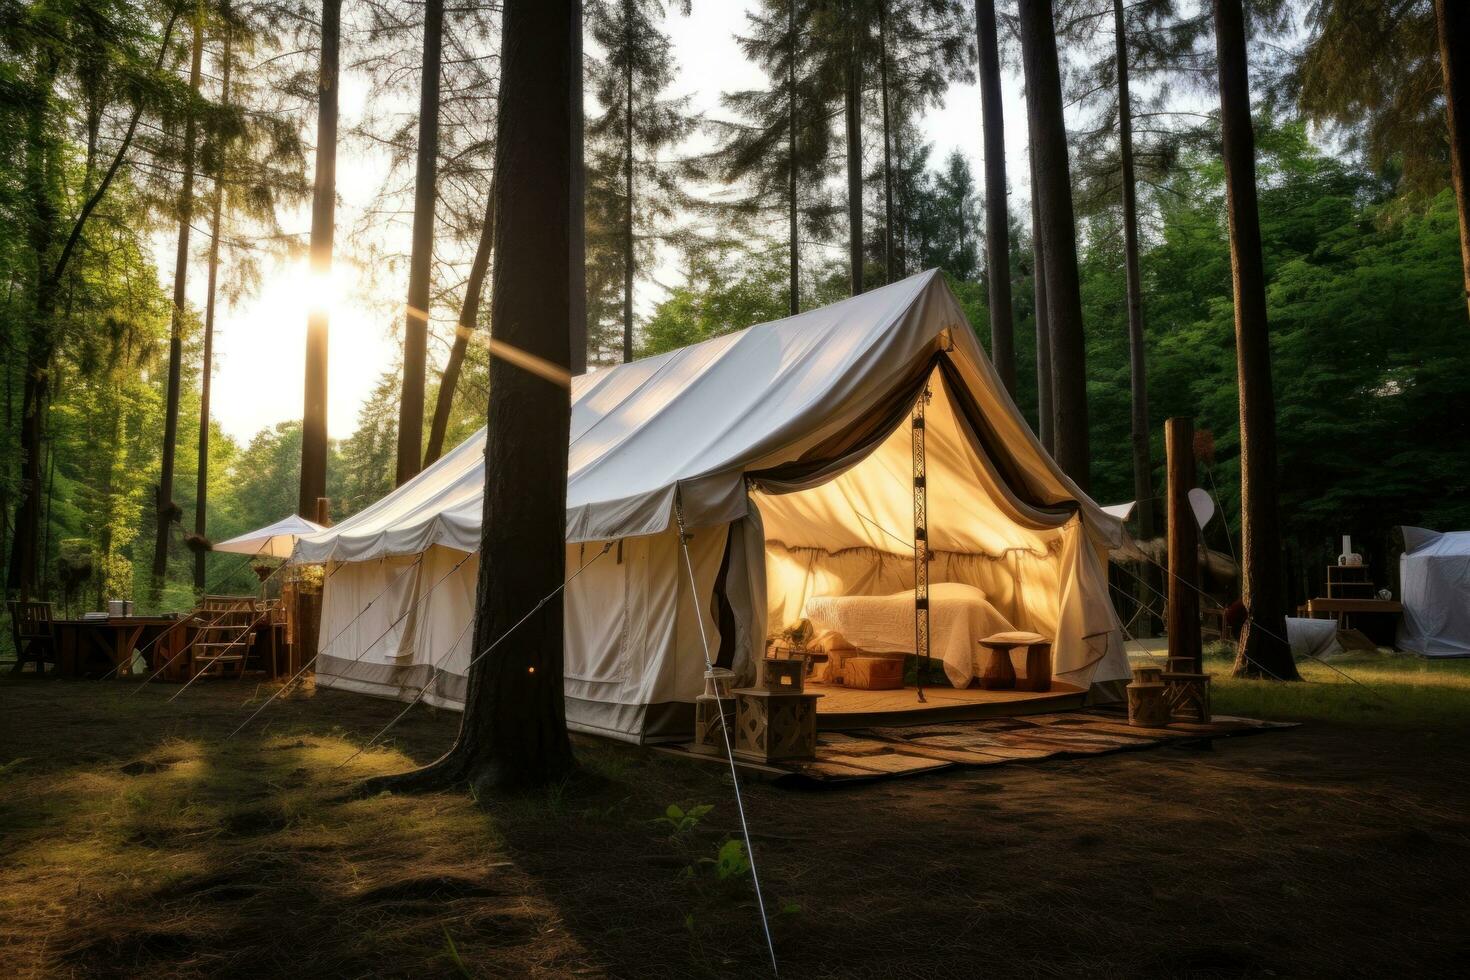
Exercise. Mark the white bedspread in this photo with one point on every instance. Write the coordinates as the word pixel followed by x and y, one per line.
pixel 959 616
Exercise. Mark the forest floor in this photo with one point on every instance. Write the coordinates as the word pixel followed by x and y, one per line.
pixel 136 839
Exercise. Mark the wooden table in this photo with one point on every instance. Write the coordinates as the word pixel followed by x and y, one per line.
pixel 1376 618
pixel 111 641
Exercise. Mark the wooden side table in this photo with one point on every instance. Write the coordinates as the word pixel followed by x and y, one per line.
pixel 774 726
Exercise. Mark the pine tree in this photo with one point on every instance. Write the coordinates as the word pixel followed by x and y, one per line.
pixel 1262 649
pixel 323 234
pixel 1057 233
pixel 168 512
pixel 513 732
pixel 425 202
pixel 776 151
pixel 635 197
pixel 997 211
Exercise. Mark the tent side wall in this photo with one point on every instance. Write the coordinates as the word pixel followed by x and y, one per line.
pixel 634 653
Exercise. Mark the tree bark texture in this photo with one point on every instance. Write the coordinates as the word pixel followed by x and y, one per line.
pixel 1045 410
pixel 1262 649
pixel 628 260
pixel 201 486
pixel 469 315
pixel 1137 355
pixel 853 110
pixel 1452 18
pixel 887 143
pixel 577 244
pixel 513 731
pixel 166 509
pixel 1053 190
pixel 794 244
pixel 323 231
pixel 421 257
pixel 997 212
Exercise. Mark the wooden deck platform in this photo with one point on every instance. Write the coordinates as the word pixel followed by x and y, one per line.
pixel 841 708
pixel 866 754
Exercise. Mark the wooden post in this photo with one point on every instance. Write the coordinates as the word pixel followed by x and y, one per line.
pixel 324 511
pixel 1184 640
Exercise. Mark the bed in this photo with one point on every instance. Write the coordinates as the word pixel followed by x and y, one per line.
pixel 959 616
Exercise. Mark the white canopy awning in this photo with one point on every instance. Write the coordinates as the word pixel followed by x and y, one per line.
pixel 696 422
pixel 273 541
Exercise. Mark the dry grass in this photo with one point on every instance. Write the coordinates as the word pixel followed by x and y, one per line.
pixel 138 842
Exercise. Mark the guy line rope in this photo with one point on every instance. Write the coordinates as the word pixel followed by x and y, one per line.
pixel 476 659
pixel 345 627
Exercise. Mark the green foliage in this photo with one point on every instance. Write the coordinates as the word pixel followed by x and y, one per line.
pixel 1371 371
pixel 636 196
pixel 680 821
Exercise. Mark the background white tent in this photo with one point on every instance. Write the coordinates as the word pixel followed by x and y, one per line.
pixel 276 540
pixel 786 449
pixel 1434 580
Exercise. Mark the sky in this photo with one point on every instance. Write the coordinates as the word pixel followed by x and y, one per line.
pixel 260 341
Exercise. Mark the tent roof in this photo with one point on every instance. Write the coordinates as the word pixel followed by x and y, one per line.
pixel 1423 543
pixel 693 422
pixel 272 541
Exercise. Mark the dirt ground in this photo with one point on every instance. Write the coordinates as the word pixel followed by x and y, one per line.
pixel 135 840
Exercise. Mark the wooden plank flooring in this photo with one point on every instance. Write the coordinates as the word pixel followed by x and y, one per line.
pixel 842 708
pixel 927 744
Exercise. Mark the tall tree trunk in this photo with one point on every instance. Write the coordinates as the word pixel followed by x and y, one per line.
pixel 469 315
pixel 201 489
pixel 40 340
pixel 900 229
pixel 1262 650
pixel 421 257
pixel 887 155
pixel 794 245
pixel 1452 18
pixel 997 212
pixel 1045 405
pixel 627 193
pixel 853 108
pixel 1142 458
pixel 1053 190
pixel 323 230
pixel 167 509
pixel 513 731
pixel 577 243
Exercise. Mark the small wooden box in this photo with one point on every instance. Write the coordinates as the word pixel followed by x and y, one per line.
pixel 775 726
pixel 874 673
pixel 786 676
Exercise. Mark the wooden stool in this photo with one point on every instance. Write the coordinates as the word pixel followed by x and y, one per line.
pixel 999 674
pixel 1188 695
pixel 774 726
pixel 1148 707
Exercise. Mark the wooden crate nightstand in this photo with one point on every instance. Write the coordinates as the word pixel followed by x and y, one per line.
pixel 774 726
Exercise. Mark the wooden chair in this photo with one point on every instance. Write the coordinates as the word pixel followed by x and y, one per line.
pixel 222 639
pixel 34 634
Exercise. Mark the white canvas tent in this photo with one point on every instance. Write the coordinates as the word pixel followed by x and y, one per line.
pixel 1434 580
pixel 786 448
